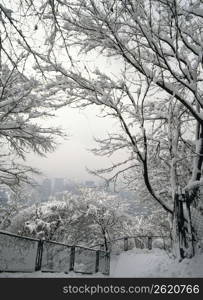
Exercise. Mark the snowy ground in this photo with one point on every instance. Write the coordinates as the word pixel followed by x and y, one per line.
pixel 154 263
pixel 137 263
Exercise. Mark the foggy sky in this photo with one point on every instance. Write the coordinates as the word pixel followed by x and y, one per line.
pixel 72 155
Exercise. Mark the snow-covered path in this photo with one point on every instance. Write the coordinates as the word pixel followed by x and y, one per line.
pixel 132 263
pixel 154 263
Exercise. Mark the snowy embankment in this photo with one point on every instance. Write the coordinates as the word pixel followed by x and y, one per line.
pixel 136 263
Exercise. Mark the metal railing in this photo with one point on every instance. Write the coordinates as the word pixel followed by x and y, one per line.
pixel 24 254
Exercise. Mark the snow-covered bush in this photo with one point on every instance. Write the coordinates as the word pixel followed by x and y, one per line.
pixel 158 243
pixel 92 216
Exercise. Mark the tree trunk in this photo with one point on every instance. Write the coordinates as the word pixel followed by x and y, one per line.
pixel 105 240
pixel 198 160
pixel 175 229
pixel 183 242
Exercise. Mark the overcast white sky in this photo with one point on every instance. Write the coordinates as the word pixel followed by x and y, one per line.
pixel 72 157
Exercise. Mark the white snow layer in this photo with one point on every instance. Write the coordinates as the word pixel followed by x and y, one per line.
pixel 136 263
pixel 155 263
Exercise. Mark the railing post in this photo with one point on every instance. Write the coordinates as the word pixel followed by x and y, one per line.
pixel 125 243
pixel 149 243
pixel 72 258
pixel 107 263
pixel 38 263
pixel 97 261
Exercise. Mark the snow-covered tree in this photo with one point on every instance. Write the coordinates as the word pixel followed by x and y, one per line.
pixel 106 213
pixel 23 108
pixel 158 44
pixel 17 200
pixel 9 209
pixel 89 217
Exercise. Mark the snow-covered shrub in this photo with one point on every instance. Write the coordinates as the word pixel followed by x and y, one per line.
pixel 158 243
pixel 91 217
